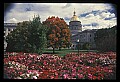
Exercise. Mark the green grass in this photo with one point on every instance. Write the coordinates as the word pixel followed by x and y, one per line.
pixel 63 52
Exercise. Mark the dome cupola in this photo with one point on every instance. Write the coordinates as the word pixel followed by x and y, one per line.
pixel 75 18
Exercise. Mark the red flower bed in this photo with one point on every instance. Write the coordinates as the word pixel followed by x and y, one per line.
pixel 71 66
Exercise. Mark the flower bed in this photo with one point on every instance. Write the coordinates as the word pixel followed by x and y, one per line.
pixel 71 66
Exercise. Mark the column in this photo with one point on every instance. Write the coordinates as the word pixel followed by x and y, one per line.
pixel 6 32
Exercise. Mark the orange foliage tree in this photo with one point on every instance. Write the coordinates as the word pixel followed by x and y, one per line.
pixel 59 34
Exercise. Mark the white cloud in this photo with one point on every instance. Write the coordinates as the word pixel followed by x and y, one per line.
pixel 13 20
pixel 106 14
pixel 26 11
pixel 112 15
pixel 89 15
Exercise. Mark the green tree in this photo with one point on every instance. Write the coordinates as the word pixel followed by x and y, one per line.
pixel 17 38
pixel 29 36
pixel 105 39
pixel 86 46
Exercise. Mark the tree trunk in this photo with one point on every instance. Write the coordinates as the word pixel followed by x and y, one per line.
pixel 60 48
pixel 53 50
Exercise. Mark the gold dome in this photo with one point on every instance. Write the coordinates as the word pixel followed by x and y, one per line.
pixel 75 18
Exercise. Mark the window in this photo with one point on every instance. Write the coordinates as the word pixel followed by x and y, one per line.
pixel 90 40
pixel 81 36
pixel 90 35
pixel 72 28
pixel 8 29
pixel 75 28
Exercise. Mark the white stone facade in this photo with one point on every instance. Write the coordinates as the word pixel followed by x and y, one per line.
pixel 86 36
pixel 8 27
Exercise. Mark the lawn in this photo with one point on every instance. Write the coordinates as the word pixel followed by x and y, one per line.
pixel 63 52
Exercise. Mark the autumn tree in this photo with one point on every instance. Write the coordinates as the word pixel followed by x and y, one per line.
pixel 59 34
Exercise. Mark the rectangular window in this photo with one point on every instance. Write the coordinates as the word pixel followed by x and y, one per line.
pixel 9 30
pixel 90 40
pixel 90 35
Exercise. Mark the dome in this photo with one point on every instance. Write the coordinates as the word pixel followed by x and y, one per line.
pixel 75 18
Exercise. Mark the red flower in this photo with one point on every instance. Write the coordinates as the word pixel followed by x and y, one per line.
pixel 20 73
pixel 56 67
pixel 94 77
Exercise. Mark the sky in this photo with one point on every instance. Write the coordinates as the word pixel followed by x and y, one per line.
pixel 91 15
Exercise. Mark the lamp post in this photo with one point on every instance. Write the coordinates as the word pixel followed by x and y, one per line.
pixel 78 45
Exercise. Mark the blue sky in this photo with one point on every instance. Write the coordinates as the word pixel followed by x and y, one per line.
pixel 91 15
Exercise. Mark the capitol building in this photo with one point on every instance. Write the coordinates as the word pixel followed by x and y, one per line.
pixel 86 36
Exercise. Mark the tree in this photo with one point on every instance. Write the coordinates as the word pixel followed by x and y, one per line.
pixel 17 38
pixel 105 39
pixel 29 36
pixel 86 45
pixel 59 34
